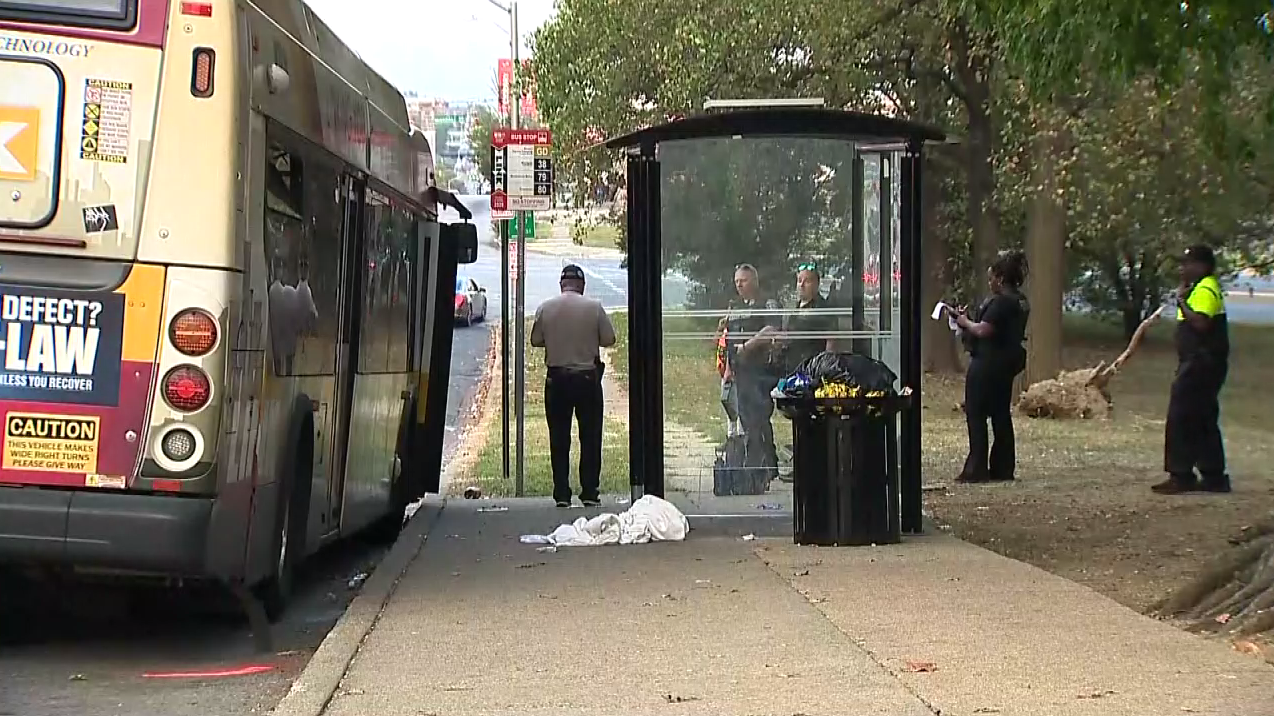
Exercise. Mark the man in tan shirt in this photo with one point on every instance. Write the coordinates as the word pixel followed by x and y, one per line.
pixel 572 330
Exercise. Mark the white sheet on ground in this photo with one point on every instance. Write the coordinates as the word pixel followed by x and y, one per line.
pixel 649 519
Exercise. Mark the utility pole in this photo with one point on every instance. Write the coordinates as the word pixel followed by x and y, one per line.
pixel 513 231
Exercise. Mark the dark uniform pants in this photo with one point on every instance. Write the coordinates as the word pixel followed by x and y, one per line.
pixel 756 408
pixel 1192 436
pixel 574 394
pixel 988 395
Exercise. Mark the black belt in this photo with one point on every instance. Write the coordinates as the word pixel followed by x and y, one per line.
pixel 574 370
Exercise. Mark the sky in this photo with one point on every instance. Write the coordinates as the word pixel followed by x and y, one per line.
pixel 436 48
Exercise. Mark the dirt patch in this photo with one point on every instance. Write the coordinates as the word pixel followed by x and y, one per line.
pixel 475 428
pixel 1082 508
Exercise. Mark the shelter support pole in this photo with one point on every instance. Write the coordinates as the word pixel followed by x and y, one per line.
pixel 645 326
pixel 910 264
pixel 886 263
pixel 857 260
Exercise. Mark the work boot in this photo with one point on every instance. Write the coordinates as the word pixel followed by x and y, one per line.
pixel 1174 486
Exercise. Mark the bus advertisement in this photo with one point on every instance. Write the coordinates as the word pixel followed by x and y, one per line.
pixel 222 344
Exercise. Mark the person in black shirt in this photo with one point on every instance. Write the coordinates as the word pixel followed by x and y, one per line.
pixel 994 337
pixel 808 328
pixel 752 329
pixel 1192 434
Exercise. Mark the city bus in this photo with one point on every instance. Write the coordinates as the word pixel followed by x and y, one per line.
pixel 221 264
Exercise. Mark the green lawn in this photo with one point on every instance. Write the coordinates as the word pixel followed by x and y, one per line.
pixel 601 236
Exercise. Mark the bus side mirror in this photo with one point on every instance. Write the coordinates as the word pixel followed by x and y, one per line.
pixel 465 237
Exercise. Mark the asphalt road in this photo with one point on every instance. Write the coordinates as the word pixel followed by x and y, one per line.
pixel 606 280
pixel 81 649
pixel 89 650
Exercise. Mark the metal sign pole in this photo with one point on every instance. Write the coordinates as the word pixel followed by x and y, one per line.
pixel 519 382
pixel 506 231
pixel 519 370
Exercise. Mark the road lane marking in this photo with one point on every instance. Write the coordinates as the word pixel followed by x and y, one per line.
pixel 609 283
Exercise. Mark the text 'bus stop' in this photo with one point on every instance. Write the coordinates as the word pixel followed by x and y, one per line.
pixel 735 219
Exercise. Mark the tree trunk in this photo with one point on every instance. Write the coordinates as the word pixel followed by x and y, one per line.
pixel 973 71
pixel 937 343
pixel 1046 253
pixel 984 216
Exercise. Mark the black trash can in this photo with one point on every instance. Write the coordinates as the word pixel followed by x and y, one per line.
pixel 845 470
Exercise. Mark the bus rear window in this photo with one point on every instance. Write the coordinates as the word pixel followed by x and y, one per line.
pixel 107 14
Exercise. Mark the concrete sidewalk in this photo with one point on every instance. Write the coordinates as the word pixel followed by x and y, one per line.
pixel 480 624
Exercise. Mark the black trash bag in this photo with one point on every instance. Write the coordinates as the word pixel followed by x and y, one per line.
pixel 851 369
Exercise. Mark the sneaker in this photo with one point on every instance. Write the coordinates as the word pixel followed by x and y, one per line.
pixel 591 502
pixel 563 503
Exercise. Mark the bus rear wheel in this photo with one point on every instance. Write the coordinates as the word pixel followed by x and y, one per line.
pixel 289 534
pixel 387 528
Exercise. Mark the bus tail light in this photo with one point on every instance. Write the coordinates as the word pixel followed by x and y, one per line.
pixel 193 332
pixel 201 73
pixel 187 388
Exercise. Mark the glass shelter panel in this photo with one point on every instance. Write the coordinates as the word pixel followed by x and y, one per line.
pixel 775 249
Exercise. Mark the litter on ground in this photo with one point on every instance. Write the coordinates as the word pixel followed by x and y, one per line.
pixel 649 519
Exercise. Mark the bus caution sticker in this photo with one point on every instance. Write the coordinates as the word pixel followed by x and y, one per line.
pixel 51 443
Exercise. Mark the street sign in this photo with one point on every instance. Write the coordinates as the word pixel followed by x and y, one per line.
pixel 501 215
pixel 521 170
pixel 513 260
pixel 528 225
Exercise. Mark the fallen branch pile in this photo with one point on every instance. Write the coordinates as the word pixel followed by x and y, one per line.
pixel 1081 394
pixel 1235 598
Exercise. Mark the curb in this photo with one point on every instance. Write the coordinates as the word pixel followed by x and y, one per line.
pixel 318 681
pixel 314 687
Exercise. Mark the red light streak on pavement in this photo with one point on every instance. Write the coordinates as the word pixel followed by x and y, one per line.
pixel 247 670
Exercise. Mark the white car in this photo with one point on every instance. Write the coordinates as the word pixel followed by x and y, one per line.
pixel 471 301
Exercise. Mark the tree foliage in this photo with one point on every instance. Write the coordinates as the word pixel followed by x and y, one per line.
pixel 1161 115
pixel 480 137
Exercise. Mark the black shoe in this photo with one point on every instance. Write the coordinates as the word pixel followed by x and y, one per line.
pixel 591 501
pixel 1000 478
pixel 972 478
pixel 1219 484
pixel 563 503
pixel 1174 486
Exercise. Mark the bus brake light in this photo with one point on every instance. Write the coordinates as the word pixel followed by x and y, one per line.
pixel 202 66
pixel 186 388
pixel 197 9
pixel 193 332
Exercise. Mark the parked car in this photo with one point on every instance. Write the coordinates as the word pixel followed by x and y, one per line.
pixel 471 301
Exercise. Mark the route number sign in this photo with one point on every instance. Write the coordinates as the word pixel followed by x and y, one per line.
pixel 521 170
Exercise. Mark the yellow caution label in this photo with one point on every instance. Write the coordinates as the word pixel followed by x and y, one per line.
pixel 51 443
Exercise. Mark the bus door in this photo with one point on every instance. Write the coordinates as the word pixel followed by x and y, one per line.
pixel 352 271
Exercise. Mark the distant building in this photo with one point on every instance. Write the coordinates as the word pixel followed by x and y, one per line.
pixel 446 124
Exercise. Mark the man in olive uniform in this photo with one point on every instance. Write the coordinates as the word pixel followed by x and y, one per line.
pixel 1192 438
pixel 572 330
pixel 752 329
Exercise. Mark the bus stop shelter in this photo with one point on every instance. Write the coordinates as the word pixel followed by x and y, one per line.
pixel 777 191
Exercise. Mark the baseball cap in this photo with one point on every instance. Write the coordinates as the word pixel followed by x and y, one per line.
pixel 572 272
pixel 1201 253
